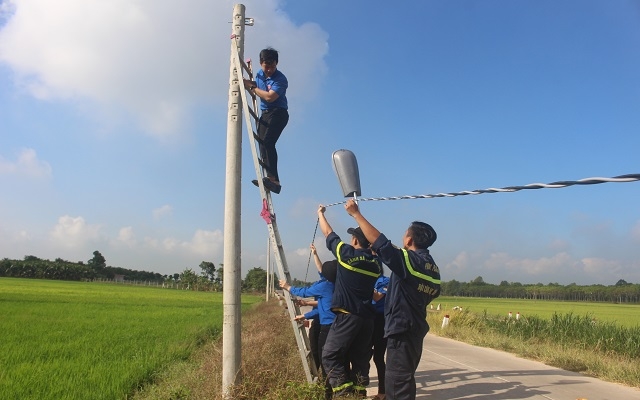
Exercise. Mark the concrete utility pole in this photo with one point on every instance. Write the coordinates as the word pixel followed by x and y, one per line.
pixel 231 339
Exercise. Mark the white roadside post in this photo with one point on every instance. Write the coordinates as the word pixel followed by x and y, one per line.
pixel 231 339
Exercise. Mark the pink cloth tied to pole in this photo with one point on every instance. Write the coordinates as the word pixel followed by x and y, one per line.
pixel 265 214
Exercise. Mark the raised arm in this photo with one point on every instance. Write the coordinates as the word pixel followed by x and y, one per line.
pixel 369 231
pixel 324 224
pixel 316 258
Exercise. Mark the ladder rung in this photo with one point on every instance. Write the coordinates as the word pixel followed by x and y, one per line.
pixel 257 138
pixel 263 165
pixel 245 67
pixel 253 113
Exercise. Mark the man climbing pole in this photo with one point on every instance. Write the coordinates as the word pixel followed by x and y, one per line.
pixel 271 87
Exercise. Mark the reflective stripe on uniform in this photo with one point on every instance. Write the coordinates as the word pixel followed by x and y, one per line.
pixel 416 273
pixel 342 387
pixel 351 267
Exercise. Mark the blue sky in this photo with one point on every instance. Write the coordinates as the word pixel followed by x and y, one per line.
pixel 113 130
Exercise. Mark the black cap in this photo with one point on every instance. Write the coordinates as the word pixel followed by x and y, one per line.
pixel 330 270
pixel 357 232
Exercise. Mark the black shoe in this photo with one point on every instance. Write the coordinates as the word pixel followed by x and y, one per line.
pixel 271 186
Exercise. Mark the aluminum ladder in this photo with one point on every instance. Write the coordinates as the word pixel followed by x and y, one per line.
pixel 251 118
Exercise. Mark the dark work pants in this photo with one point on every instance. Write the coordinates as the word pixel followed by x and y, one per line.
pixel 322 339
pixel 403 355
pixel 349 341
pixel 379 346
pixel 314 333
pixel 270 126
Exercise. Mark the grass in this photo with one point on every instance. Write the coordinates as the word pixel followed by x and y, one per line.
pixel 272 370
pixel 271 367
pixel 604 350
pixel 79 340
pixel 70 340
pixel 627 315
pixel 596 339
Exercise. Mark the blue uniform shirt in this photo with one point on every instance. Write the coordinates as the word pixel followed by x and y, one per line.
pixel 278 83
pixel 313 314
pixel 380 287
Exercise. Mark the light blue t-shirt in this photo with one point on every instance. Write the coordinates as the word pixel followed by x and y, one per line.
pixel 279 84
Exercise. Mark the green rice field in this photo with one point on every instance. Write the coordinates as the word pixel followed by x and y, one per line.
pixel 82 340
pixel 625 315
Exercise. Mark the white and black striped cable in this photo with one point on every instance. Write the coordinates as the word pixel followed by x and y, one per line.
pixel 508 189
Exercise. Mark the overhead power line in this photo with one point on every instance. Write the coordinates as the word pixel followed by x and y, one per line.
pixel 508 189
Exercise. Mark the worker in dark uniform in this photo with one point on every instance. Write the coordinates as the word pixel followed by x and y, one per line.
pixel 413 284
pixel 349 339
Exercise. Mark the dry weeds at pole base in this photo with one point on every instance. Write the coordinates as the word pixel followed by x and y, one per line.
pixel 271 368
pixel 271 365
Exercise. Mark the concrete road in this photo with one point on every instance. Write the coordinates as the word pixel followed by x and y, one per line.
pixel 451 370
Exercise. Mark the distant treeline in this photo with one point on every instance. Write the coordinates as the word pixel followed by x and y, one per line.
pixel 621 292
pixel 96 268
pixel 34 267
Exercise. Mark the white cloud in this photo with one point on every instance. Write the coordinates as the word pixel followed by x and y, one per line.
pixel 595 266
pixel 11 241
pixel 559 245
pixel 160 212
pixel 26 164
pixel 460 263
pixel 73 232
pixel 22 236
pixel 528 267
pixel 152 59
pixel 151 242
pixel 205 243
pixel 543 265
pixel 126 237
pixel 560 267
pixel 170 244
